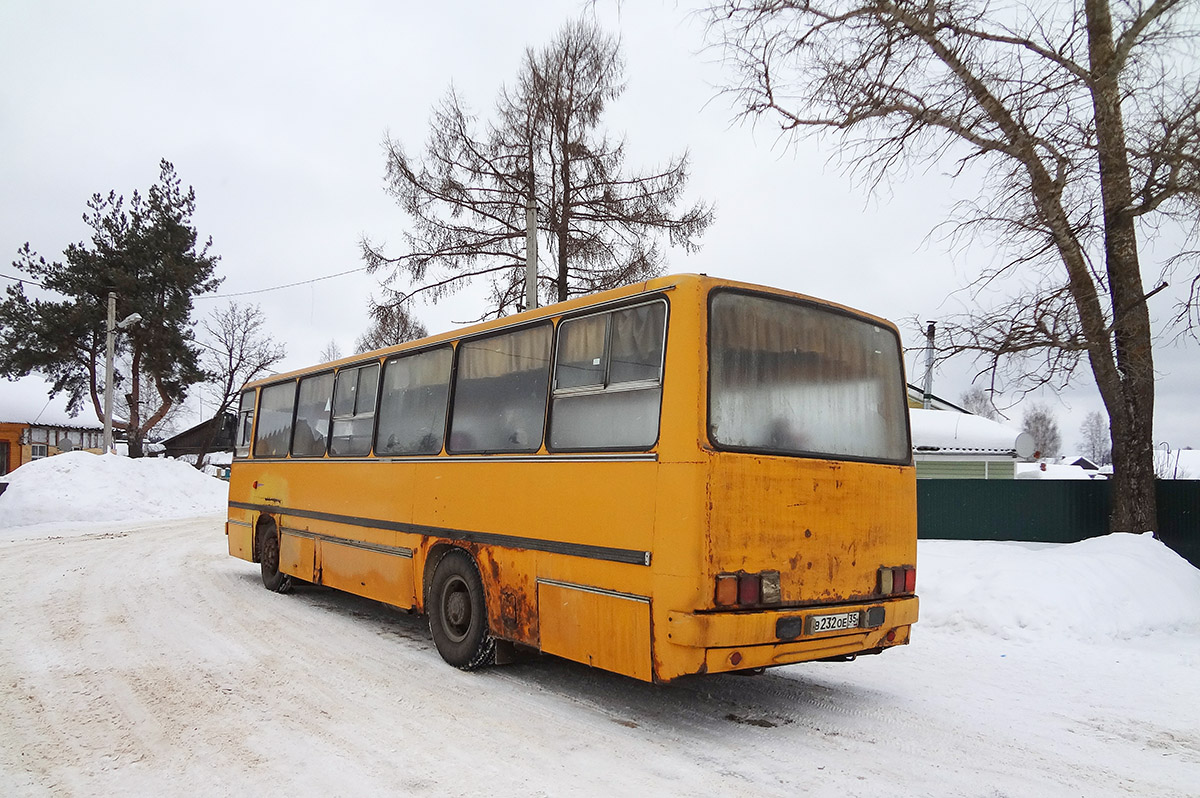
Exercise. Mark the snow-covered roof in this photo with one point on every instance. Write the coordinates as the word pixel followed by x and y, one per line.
pixel 26 401
pixel 1178 464
pixel 948 432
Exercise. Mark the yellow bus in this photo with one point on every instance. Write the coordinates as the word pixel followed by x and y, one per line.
pixel 684 476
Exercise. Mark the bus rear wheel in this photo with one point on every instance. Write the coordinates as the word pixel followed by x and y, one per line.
pixel 268 558
pixel 458 613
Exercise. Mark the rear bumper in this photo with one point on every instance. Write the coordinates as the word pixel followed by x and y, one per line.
pixel 741 640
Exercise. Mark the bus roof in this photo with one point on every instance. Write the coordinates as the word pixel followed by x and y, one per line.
pixel 702 282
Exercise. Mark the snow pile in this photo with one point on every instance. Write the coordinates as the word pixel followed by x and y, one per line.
pixel 1118 585
pixel 78 486
pixel 1055 471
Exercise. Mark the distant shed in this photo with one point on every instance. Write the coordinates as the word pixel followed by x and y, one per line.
pixel 200 440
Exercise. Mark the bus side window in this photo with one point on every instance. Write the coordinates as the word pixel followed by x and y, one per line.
pixel 274 429
pixel 412 409
pixel 312 416
pixel 500 392
pixel 616 406
pixel 245 423
pixel 354 411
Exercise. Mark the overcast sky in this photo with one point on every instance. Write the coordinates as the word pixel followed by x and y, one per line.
pixel 275 113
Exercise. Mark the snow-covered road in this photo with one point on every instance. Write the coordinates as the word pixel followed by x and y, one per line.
pixel 142 659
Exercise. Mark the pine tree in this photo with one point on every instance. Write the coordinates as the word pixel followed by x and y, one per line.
pixel 144 251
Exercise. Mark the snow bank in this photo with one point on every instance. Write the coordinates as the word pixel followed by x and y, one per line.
pixel 1112 586
pixel 1055 471
pixel 78 486
pixel 1118 585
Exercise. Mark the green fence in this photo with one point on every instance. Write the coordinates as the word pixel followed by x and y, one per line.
pixel 1047 511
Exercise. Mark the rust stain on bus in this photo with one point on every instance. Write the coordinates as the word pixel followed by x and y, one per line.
pixel 511 594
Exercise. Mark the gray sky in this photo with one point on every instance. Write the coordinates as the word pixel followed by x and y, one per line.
pixel 275 113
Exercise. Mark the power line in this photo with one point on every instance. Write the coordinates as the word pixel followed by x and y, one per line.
pixel 22 280
pixel 224 296
pixel 280 287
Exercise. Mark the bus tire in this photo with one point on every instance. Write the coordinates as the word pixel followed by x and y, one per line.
pixel 268 558
pixel 458 613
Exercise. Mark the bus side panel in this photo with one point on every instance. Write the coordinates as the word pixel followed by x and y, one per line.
pixel 372 574
pixel 681 516
pixel 297 556
pixel 241 539
pixel 240 524
pixel 598 629
pixel 509 584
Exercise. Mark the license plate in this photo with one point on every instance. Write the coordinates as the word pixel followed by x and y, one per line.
pixel 834 623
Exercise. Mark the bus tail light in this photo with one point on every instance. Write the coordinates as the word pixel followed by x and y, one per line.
pixel 897 580
pixel 748 590
pixel 772 593
pixel 727 590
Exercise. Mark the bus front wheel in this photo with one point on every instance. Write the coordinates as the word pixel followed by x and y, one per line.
pixel 458 613
pixel 268 558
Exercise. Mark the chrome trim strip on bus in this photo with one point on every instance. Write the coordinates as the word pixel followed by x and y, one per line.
pixel 600 390
pixel 599 591
pixel 586 550
pixel 635 457
pixel 237 523
pixel 398 551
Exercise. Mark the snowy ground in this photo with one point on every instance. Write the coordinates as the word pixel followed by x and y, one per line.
pixel 139 658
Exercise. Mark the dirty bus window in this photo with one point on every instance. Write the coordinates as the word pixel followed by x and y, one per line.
pixel 274 428
pixel 500 392
pixel 412 412
pixel 796 378
pixel 607 380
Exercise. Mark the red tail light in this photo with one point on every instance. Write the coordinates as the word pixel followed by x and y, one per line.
pixel 902 579
pixel 749 588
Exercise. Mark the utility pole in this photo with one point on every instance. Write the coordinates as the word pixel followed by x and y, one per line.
pixel 927 399
pixel 530 253
pixel 110 340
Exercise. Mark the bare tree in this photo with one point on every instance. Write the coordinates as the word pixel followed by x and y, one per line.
pixel 1095 444
pixel 167 422
pixel 467 198
pixel 979 402
pixel 1041 425
pixel 331 352
pixel 237 351
pixel 1082 120
pixel 391 323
